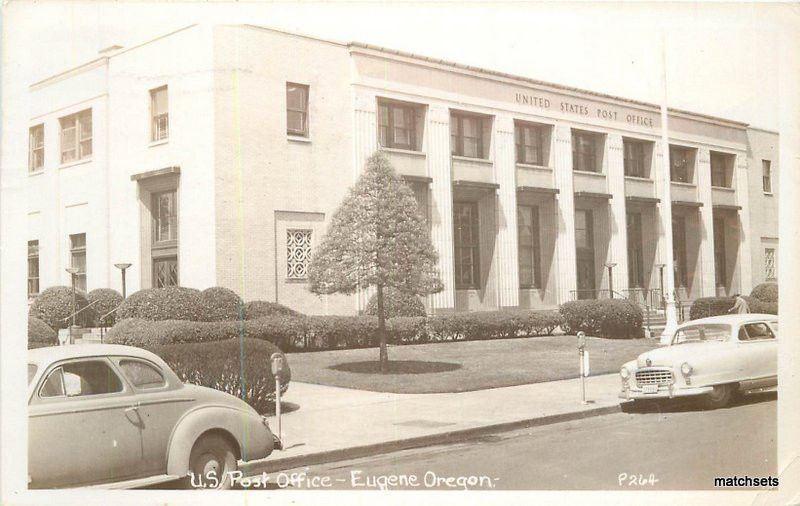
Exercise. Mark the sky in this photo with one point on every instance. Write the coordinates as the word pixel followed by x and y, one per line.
pixel 721 59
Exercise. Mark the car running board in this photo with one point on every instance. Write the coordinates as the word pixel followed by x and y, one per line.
pixel 137 483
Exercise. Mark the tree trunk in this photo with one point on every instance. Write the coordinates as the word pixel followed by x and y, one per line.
pixel 384 353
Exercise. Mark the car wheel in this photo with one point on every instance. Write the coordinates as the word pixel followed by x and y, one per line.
pixel 211 462
pixel 719 397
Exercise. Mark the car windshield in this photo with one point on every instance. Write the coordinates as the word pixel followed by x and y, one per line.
pixel 31 372
pixel 706 332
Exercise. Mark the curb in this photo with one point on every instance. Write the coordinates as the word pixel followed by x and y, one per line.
pixel 324 457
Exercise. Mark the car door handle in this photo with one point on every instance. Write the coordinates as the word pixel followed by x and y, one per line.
pixel 134 407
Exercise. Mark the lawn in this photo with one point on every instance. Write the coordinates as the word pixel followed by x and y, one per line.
pixel 465 365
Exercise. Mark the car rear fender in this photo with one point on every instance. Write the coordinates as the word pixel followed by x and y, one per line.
pixel 252 439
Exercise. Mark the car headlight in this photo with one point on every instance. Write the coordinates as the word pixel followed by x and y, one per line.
pixel 686 369
pixel 625 373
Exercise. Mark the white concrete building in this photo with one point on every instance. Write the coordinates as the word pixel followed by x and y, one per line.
pixel 216 156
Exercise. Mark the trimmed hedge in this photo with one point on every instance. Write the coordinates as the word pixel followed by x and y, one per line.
pixel 238 367
pixel 612 318
pixel 396 303
pixel 40 334
pixel 170 303
pixel 221 304
pixel 766 292
pixel 710 306
pixel 104 300
pixel 260 308
pixel 55 303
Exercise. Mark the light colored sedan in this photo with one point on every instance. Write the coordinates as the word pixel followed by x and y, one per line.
pixel 119 417
pixel 713 357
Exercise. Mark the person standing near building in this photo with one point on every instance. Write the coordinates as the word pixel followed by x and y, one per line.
pixel 740 305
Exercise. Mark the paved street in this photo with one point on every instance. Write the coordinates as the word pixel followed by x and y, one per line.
pixel 682 447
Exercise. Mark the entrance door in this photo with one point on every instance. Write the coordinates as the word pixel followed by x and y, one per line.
pixel 635 254
pixel 584 253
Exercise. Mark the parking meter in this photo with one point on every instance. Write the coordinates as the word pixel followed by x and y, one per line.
pixel 277 365
pixel 582 363
pixel 581 341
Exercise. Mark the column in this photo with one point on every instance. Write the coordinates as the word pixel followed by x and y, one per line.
pixel 506 248
pixel 704 194
pixel 741 183
pixel 618 245
pixel 365 143
pixel 565 218
pixel 438 157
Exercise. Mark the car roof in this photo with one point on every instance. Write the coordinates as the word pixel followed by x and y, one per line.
pixel 733 319
pixel 54 353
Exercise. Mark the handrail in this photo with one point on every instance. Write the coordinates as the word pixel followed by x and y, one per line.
pixel 103 318
pixel 76 313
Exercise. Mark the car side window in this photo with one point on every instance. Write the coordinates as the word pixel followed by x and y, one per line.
pixel 90 377
pixel 758 331
pixel 53 386
pixel 141 374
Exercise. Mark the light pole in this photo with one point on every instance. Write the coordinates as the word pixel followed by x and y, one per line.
pixel 661 280
pixel 610 266
pixel 72 272
pixel 122 267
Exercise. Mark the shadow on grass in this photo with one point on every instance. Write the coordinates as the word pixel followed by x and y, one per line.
pixel 396 367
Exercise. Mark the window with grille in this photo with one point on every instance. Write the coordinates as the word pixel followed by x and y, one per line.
pixel 467 135
pixel 35 148
pixel 528 247
pixel 721 169
pixel 298 253
pixel 397 125
pixel 766 176
pixel 585 149
pixel 297 109
pixel 159 114
pixel 531 143
pixel 770 269
pixel 76 136
pixel 681 163
pixel 466 242
pixel 33 268
pixel 77 249
pixel 636 158
pixel 165 216
pixel 164 245
pixel 165 271
pixel 720 264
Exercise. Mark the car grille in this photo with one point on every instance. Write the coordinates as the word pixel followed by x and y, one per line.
pixel 654 377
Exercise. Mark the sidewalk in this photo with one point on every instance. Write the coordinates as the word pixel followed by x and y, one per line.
pixel 327 424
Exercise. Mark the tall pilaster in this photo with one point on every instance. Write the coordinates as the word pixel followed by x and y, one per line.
pixel 438 156
pixel 505 176
pixel 618 247
pixel 745 233
pixel 365 144
pixel 565 240
pixel 704 194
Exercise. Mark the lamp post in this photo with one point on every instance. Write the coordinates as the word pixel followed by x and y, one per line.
pixel 122 267
pixel 610 266
pixel 661 280
pixel 72 272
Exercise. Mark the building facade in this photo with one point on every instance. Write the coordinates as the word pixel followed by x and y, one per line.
pixel 217 155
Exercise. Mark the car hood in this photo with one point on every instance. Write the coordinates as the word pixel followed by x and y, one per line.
pixel 675 355
pixel 211 395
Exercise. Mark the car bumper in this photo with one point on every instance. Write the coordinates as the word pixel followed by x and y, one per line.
pixel 664 392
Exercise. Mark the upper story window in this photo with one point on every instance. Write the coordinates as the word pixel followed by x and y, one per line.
pixel 766 176
pixel 297 109
pixel 587 151
pixel 532 142
pixel 721 169
pixel 469 135
pixel 77 250
pixel 35 148
pixel 399 125
pixel 681 164
pixel 33 268
pixel 637 157
pixel 159 114
pixel 76 136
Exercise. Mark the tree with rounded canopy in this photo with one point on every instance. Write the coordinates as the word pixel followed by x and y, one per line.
pixel 378 237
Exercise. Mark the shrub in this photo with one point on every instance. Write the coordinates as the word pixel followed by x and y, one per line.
pixel 396 303
pixel 105 300
pixel 710 306
pixel 40 334
pixel 170 303
pixel 54 304
pixel 766 292
pixel 260 308
pixel 761 306
pixel 407 330
pixel 492 325
pixel 223 365
pixel 613 318
pixel 221 304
